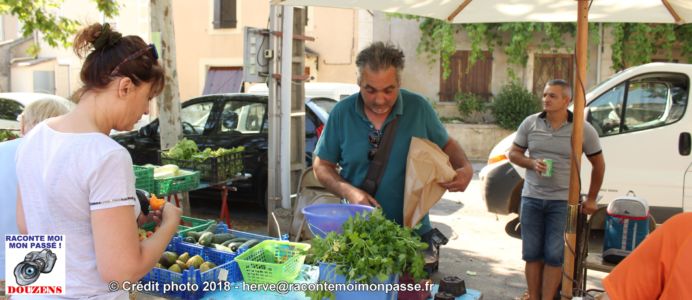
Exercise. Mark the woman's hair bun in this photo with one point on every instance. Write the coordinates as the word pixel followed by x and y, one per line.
pixel 107 38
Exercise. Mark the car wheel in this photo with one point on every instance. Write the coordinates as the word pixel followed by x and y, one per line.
pixel 513 228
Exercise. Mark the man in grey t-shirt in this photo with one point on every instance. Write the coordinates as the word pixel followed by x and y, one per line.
pixel 543 213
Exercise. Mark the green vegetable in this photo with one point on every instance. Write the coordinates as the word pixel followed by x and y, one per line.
pixel 6 135
pixel 193 234
pixel 184 149
pixel 370 247
pixel 211 228
pixel 219 238
pixel 249 244
pixel 186 154
pixel 205 238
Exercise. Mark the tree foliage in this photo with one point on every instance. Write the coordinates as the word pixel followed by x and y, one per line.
pixel 634 43
pixel 42 16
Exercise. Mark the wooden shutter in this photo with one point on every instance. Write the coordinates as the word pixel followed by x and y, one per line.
pixel 552 66
pixel 475 80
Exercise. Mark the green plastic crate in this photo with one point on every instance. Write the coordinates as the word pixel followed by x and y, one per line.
pixel 194 225
pixel 272 261
pixel 212 169
pixel 189 224
pixel 144 178
pixel 186 181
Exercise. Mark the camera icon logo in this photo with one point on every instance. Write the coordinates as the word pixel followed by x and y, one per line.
pixel 35 263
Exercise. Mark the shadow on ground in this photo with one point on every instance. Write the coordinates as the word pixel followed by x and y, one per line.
pixel 482 273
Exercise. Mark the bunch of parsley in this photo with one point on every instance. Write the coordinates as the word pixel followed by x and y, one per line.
pixel 371 246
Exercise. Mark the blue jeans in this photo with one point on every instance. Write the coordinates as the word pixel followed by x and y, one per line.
pixel 542 230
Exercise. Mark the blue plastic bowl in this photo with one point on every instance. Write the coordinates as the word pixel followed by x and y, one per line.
pixel 325 218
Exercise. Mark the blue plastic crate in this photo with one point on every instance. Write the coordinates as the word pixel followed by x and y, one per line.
pixel 164 276
pixel 224 260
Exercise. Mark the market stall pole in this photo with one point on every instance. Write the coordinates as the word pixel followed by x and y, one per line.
pixel 468 11
pixel 568 274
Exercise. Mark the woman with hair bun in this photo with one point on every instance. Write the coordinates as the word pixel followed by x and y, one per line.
pixel 76 181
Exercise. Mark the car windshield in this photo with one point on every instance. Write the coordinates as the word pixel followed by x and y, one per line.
pixel 326 104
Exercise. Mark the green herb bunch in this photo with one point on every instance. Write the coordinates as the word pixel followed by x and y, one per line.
pixel 371 246
pixel 6 135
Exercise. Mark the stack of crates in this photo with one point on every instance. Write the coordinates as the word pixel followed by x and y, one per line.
pixel 144 178
pixel 224 261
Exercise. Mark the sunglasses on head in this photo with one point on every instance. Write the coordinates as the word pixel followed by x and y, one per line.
pixel 151 49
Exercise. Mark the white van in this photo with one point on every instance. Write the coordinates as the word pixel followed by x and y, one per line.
pixel 641 117
pixel 333 90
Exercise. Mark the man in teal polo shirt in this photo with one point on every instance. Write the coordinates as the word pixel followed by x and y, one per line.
pixel 357 124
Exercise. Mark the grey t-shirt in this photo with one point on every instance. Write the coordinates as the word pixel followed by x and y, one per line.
pixel 542 141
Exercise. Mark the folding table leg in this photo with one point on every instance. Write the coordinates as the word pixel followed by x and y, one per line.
pixel 225 214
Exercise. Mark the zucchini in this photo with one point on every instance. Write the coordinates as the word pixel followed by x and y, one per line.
pixel 234 245
pixel 193 234
pixel 235 240
pixel 223 248
pixel 212 228
pixel 219 238
pixel 205 238
pixel 249 244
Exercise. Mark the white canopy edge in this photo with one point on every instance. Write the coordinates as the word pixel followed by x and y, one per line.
pixel 501 11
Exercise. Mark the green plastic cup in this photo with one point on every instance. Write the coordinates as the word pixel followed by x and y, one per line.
pixel 548 167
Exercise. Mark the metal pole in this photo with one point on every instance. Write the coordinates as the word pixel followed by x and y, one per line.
pixel 577 138
pixel 273 170
pixel 286 79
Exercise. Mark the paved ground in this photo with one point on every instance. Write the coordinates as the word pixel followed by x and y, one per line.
pixel 479 245
pixel 479 251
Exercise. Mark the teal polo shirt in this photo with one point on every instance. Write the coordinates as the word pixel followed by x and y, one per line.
pixel 345 141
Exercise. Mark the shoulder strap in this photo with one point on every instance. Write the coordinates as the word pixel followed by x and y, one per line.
pixel 379 162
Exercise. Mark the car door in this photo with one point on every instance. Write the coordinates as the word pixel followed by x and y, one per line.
pixel 640 122
pixel 316 114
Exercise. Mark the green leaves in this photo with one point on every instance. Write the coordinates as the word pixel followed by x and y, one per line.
pixel 370 247
pixel 512 104
pixel 637 43
pixel 633 44
pixel 42 16
pixel 6 135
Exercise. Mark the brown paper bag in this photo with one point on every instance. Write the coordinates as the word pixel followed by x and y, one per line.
pixel 426 165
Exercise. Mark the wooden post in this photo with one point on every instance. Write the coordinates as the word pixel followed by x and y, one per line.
pixel 577 138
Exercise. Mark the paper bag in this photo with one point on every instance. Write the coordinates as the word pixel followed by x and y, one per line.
pixel 426 166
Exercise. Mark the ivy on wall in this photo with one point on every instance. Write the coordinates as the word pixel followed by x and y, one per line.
pixel 634 43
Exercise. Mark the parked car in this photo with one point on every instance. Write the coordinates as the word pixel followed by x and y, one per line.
pixel 641 117
pixel 13 104
pixel 228 120
pixel 333 90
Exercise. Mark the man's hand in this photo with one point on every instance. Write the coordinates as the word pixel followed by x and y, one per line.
pixel 589 206
pixel 539 166
pixel 358 196
pixel 461 180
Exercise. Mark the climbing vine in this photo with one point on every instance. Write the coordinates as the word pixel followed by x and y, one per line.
pixel 637 43
pixel 633 44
